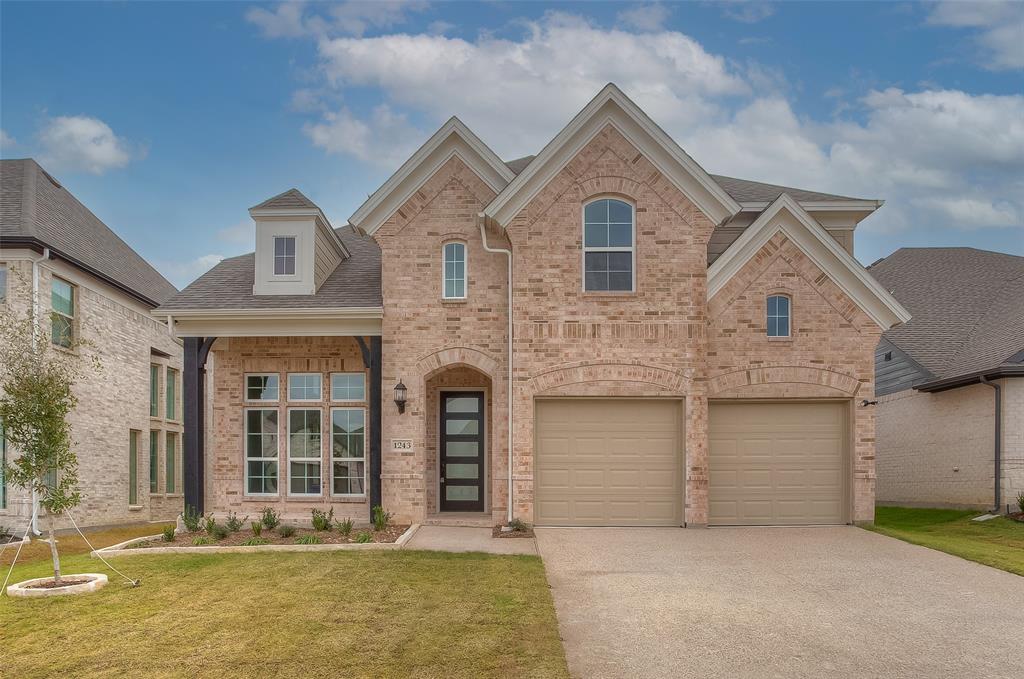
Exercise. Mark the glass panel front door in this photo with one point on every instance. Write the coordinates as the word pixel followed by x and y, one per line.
pixel 462 451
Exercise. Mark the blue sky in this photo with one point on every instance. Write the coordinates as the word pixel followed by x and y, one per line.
pixel 169 120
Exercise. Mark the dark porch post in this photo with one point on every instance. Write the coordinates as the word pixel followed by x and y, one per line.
pixel 194 391
pixel 372 357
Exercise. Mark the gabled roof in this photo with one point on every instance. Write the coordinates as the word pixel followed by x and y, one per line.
pixel 611 106
pixel 36 210
pixel 289 199
pixel 786 215
pixel 968 308
pixel 294 203
pixel 453 139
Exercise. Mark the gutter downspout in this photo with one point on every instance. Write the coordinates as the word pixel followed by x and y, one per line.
pixel 998 444
pixel 35 338
pixel 481 220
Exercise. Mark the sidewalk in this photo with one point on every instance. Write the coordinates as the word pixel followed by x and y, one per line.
pixel 464 539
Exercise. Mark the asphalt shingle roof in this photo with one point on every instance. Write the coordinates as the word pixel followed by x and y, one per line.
pixel 33 205
pixel 290 198
pixel 967 307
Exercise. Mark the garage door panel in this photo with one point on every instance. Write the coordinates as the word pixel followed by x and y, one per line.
pixel 777 463
pixel 603 462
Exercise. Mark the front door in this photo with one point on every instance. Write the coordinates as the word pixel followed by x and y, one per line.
pixel 462 451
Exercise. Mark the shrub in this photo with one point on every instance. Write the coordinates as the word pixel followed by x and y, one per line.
pixel 518 526
pixel 345 527
pixel 191 518
pixel 209 524
pixel 233 523
pixel 269 518
pixel 321 520
pixel 201 540
pixel 257 528
pixel 168 532
pixel 255 542
pixel 381 519
pixel 364 537
pixel 310 539
pixel 286 531
pixel 1020 500
pixel 218 532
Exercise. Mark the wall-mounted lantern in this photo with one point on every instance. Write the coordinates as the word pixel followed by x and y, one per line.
pixel 400 396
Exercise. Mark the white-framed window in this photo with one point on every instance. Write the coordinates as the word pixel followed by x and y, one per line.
pixel 284 255
pixel 348 451
pixel 262 387
pixel 304 386
pixel 261 444
pixel 778 316
pixel 304 451
pixel 608 246
pixel 62 319
pixel 454 256
pixel 348 386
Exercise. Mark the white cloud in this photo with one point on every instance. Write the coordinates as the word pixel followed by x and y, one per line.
pixel 645 17
pixel 1000 26
pixel 746 11
pixel 243 233
pixel 440 27
pixel 82 143
pixel 7 141
pixel 285 21
pixel 183 273
pixel 385 139
pixel 356 17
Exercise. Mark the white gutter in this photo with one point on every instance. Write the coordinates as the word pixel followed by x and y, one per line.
pixel 35 338
pixel 482 220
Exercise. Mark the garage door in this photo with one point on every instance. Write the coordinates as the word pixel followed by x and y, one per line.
pixel 777 463
pixel 614 462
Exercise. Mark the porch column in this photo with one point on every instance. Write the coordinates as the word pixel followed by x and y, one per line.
pixel 372 356
pixel 196 350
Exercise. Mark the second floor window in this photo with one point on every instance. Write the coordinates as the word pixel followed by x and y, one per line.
pixel 455 271
pixel 284 255
pixel 608 246
pixel 778 316
pixel 62 303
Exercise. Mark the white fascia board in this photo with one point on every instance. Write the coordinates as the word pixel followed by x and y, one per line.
pixel 787 216
pixel 347 322
pixel 612 106
pixel 453 139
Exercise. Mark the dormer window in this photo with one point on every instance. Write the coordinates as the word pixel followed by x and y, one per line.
pixel 284 255
pixel 778 316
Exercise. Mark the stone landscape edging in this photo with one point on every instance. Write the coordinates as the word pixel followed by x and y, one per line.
pixel 123 548
pixel 22 589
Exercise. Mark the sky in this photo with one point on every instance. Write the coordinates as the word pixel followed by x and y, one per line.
pixel 170 120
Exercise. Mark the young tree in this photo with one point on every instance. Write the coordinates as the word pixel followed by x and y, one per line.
pixel 36 398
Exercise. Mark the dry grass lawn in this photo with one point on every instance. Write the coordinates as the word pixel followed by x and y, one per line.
pixel 39 550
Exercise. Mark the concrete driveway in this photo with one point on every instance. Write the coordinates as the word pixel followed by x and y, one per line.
pixel 777 602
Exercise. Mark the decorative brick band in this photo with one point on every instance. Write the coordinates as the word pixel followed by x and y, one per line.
pixel 607 371
pixel 783 374
pixel 449 357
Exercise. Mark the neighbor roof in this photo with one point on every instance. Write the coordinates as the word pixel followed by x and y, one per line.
pixel 289 199
pixel 354 283
pixel 967 307
pixel 36 210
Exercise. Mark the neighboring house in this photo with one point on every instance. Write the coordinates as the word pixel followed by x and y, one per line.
pixel 126 429
pixel 685 348
pixel 942 378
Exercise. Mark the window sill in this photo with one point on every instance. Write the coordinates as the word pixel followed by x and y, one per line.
pixel 608 294
pixel 781 339
pixel 136 508
pixel 453 302
pixel 70 352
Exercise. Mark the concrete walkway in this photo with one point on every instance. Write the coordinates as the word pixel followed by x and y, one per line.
pixel 777 602
pixel 465 539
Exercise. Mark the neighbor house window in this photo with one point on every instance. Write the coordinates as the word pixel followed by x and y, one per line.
pixel 348 451
pixel 62 302
pixel 172 388
pixel 154 461
pixel 304 386
pixel 171 485
pixel 608 246
pixel 154 390
pixel 262 387
pixel 304 451
pixel 778 316
pixel 3 283
pixel 284 255
pixel 133 467
pixel 455 271
pixel 261 451
pixel 348 386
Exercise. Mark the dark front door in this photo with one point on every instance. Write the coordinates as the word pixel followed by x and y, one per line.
pixel 462 451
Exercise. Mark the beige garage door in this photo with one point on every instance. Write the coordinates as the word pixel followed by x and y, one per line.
pixel 777 463
pixel 615 462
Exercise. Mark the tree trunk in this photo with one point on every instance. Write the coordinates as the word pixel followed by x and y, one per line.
pixel 53 548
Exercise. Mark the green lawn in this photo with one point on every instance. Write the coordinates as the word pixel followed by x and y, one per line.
pixel 998 543
pixel 344 614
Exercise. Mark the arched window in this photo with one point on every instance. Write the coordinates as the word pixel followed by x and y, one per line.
pixel 608 246
pixel 778 316
pixel 454 283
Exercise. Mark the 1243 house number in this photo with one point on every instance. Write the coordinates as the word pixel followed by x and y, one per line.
pixel 401 445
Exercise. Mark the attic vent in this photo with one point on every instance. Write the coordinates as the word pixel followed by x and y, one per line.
pixel 888 356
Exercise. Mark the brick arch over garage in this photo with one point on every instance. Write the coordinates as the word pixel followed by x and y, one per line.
pixel 783 380
pixel 564 377
pixel 450 357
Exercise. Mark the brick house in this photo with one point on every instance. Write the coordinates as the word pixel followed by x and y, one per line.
pixel 89 284
pixel 950 383
pixel 601 334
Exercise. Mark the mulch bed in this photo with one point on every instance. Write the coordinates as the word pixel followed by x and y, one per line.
pixel 498 533
pixel 1016 516
pixel 64 582
pixel 332 537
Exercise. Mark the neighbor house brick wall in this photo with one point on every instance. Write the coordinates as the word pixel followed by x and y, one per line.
pixel 1013 439
pixel 113 400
